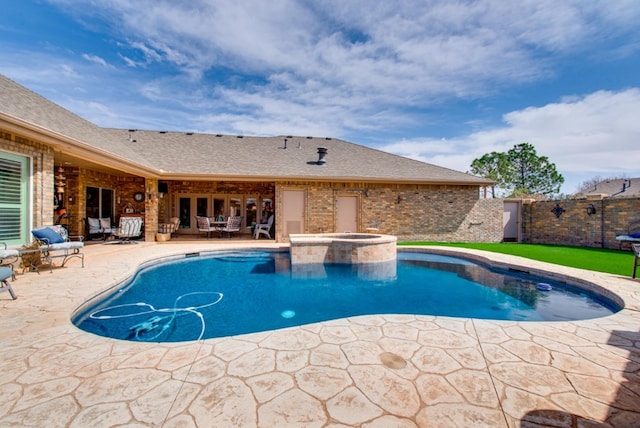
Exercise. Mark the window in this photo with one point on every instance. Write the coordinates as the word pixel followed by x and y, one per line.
pixel 14 188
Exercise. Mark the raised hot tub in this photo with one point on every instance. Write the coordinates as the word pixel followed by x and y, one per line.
pixel 346 248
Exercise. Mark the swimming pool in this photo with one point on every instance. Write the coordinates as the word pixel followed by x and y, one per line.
pixel 227 293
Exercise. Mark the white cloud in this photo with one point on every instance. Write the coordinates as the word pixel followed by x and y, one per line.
pixel 407 52
pixel 588 136
pixel 95 59
pixel 360 70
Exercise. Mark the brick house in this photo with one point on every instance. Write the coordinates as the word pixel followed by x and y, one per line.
pixel 313 184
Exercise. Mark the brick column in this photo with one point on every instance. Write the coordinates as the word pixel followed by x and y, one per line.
pixel 151 209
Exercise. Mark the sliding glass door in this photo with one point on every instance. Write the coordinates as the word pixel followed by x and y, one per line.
pixel 100 203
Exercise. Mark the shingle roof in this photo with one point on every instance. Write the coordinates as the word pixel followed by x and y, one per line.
pixel 622 188
pixel 175 154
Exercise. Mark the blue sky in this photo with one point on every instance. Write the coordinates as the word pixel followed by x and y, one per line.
pixel 440 81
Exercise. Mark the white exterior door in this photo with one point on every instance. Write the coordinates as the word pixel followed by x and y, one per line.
pixel 292 212
pixel 347 214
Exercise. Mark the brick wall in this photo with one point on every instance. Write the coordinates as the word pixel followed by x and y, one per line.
pixel 574 226
pixel 411 212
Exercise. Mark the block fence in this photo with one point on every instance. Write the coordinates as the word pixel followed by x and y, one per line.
pixel 568 222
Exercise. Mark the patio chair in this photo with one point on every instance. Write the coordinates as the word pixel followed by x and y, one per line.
pixel 171 227
pixel 374 227
pixel 263 228
pixel 5 273
pixel 204 225
pixel 8 257
pixel 174 224
pixel 99 227
pixel 233 225
pixel 636 258
pixel 129 227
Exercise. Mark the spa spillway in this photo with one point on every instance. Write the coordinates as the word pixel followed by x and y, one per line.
pixel 342 248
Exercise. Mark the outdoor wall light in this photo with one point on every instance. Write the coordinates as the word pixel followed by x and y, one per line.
pixel 591 209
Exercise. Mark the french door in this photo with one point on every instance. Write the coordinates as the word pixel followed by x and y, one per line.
pixel 215 206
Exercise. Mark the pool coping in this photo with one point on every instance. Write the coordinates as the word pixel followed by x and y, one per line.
pixel 498 372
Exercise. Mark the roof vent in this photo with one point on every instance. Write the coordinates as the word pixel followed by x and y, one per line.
pixel 322 152
pixel 308 138
pixel 189 133
pixel 218 135
pixel 240 136
pixel 163 132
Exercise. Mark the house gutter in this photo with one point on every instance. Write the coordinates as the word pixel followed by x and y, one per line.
pixel 73 147
pixel 254 178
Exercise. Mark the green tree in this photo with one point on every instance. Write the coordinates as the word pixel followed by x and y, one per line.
pixel 519 172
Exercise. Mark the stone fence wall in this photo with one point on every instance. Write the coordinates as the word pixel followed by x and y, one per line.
pixel 568 222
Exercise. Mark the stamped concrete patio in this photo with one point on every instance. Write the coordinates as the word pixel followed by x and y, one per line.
pixel 369 371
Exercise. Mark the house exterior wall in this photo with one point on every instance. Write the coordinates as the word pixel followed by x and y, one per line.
pixel 42 181
pixel 411 212
pixel 574 226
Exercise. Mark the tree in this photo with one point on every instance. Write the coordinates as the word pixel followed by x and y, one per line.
pixel 520 171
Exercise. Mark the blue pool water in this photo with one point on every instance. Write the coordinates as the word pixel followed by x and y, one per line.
pixel 231 293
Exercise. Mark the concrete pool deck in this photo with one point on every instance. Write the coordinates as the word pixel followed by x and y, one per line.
pixel 368 371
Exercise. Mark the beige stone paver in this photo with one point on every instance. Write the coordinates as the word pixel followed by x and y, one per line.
pixel 371 371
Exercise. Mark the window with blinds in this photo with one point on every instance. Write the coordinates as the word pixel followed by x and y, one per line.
pixel 13 198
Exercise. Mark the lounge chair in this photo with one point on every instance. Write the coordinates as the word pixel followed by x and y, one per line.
pixel 233 225
pixel 633 235
pixel 128 228
pixel 204 225
pixel 263 228
pixel 54 242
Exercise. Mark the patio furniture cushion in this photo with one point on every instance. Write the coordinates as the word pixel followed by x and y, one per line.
pixel 48 235
pixel 105 223
pixel 94 225
pixel 6 253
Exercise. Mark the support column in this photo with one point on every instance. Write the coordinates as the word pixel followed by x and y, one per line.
pixel 151 209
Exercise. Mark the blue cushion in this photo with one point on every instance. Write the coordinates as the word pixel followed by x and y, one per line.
pixel 48 235
pixel 5 273
pixel 635 235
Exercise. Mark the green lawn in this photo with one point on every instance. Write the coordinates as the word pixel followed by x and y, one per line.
pixel 598 259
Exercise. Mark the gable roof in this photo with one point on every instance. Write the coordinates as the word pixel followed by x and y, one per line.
pixel 174 155
pixel 616 188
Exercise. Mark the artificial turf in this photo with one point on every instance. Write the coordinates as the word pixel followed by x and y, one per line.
pixel 596 259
